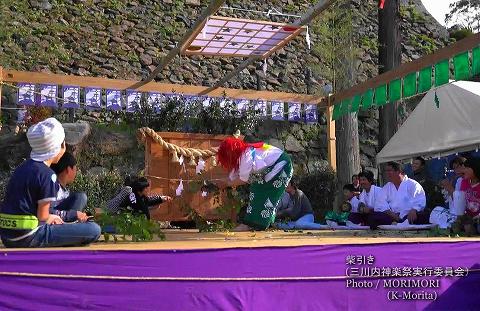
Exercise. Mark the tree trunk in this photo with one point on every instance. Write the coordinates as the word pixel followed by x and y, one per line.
pixel 348 150
pixel 389 57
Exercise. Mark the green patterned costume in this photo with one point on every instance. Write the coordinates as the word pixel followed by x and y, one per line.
pixel 264 196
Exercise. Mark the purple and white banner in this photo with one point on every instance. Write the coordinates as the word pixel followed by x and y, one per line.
pixel 294 112
pixel 93 98
pixel 26 94
pixel 71 97
pixel 224 102
pixel 242 105
pixel 114 100
pixel 189 101
pixel 133 100
pixel 311 113
pixel 155 100
pixel 207 102
pixel 278 111
pixel 261 107
pixel 48 95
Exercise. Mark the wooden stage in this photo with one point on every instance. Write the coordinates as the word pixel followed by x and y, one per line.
pixel 192 239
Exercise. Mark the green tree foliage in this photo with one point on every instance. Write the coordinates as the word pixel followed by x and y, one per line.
pixel 466 13
pixel 335 43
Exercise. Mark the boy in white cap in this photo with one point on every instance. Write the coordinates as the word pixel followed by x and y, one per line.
pixel 25 220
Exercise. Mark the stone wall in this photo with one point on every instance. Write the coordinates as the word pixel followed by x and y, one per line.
pixel 126 40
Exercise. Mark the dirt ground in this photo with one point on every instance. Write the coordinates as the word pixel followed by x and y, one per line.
pixel 192 239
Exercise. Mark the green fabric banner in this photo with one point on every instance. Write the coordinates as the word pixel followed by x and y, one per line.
pixel 356 103
pixel 476 61
pixel 442 72
pixel 395 90
pixel 410 85
pixel 425 79
pixel 336 111
pixel 381 95
pixel 461 66
pixel 367 99
pixel 346 106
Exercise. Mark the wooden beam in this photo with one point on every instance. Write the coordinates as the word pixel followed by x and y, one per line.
pixel 14 76
pixel 401 71
pixel 211 9
pixel 331 139
pixel 313 12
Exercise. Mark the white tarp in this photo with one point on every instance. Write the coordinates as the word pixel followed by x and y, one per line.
pixel 433 132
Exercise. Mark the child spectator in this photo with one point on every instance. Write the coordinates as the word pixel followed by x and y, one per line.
pixel 135 196
pixel 69 206
pixel 25 220
pixel 350 204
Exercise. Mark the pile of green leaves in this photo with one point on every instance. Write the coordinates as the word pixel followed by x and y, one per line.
pixel 126 224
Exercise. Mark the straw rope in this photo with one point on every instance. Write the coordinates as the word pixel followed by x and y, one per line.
pixel 186 152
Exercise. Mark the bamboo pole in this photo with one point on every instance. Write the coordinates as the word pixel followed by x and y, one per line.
pixel 331 139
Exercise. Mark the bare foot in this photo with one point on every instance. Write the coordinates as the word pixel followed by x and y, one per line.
pixel 241 228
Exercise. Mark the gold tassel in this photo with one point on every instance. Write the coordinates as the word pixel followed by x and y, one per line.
pixel 192 161
pixel 214 161
pixel 175 158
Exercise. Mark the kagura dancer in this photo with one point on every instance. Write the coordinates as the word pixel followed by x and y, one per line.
pixel 266 168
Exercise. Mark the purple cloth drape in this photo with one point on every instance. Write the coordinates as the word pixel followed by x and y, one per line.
pixel 50 293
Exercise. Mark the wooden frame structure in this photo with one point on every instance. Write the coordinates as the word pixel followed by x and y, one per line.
pixel 243 28
pixel 313 12
pixel 14 76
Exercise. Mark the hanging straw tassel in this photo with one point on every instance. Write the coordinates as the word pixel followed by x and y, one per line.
pixel 175 158
pixel 192 161
pixel 214 161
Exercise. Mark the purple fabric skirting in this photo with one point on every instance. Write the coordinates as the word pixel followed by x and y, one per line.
pixel 280 278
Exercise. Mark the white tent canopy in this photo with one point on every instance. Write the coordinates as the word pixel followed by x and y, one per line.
pixel 433 132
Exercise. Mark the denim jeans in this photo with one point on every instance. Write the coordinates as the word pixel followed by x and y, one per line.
pixel 306 222
pixel 72 234
pixel 76 201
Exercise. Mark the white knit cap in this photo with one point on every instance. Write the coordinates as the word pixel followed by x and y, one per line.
pixel 45 138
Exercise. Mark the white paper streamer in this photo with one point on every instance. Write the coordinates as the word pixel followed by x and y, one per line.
pixel 204 193
pixel 307 38
pixel 179 189
pixel 200 166
pixel 265 65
